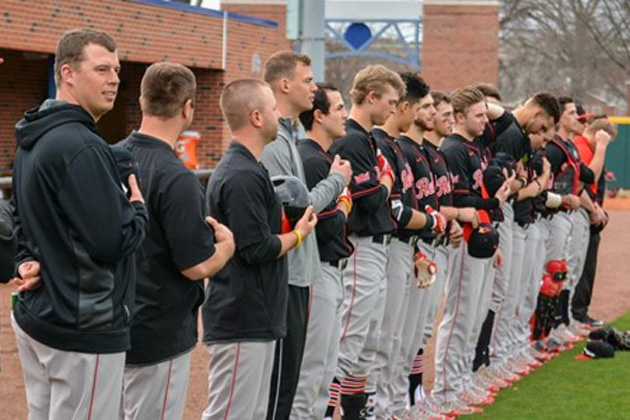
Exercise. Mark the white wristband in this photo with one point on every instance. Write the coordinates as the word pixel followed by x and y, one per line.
pixel 553 200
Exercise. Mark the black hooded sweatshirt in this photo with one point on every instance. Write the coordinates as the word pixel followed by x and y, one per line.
pixel 73 217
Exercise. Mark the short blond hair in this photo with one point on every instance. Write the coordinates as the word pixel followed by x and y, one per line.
pixel 239 98
pixel 462 99
pixel 375 78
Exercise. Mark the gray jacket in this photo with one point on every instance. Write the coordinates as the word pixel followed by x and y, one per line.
pixel 281 157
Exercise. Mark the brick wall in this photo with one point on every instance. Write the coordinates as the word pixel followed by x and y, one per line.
pixel 21 87
pixel 145 33
pixel 275 12
pixel 460 45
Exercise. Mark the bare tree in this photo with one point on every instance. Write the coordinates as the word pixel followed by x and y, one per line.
pixel 572 46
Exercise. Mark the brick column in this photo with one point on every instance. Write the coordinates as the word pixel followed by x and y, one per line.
pixel 460 42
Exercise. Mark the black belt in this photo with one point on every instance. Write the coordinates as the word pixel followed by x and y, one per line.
pixel 340 264
pixel 382 238
pixel 523 224
pixel 411 240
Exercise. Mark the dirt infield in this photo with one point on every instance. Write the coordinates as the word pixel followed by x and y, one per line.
pixel 611 299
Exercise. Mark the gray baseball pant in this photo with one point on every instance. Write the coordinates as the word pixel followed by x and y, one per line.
pixel 464 287
pixel 416 319
pixel 536 237
pixel 238 380
pixel 504 318
pixel 441 260
pixel 560 227
pixel 364 303
pixel 577 251
pixel 503 278
pixel 322 345
pixel 156 391
pixel 69 385
pixel 399 279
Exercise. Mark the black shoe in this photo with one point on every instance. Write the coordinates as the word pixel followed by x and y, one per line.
pixel 353 407
pixel 593 322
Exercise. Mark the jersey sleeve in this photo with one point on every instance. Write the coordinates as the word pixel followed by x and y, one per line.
pixel 245 206
pixel 555 156
pixel 189 237
pixel 367 191
pixel 587 175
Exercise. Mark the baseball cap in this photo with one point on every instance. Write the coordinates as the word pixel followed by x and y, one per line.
pixel 493 179
pixel 597 350
pixel 483 240
pixel 582 114
pixel 292 194
pixel 126 164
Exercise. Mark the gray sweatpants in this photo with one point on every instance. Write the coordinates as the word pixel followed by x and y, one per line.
pixel 69 385
pixel 238 380
pixel 364 303
pixel 467 280
pixel 156 391
pixel 504 317
pixel 322 345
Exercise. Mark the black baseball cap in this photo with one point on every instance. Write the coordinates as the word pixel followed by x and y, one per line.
pixel 597 350
pixel 493 179
pixel 484 239
pixel 126 164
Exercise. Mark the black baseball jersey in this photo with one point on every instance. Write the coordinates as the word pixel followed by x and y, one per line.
pixel 247 299
pixel 165 317
pixel 441 173
pixel 424 183
pixel 332 237
pixel 515 143
pixel 402 195
pixel 467 162
pixel 371 214
pixel 494 129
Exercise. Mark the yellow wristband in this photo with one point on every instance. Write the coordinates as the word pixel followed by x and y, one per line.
pixel 299 238
pixel 346 201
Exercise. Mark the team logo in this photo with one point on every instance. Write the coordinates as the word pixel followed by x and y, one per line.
pixel 424 187
pixel 443 186
pixel 478 178
pixel 407 178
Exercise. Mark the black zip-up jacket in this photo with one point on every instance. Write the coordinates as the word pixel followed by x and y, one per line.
pixel 73 217
pixel 371 213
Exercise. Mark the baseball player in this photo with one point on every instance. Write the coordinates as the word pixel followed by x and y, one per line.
pixel 536 116
pixel 178 253
pixel 323 123
pixel 568 174
pixel 469 276
pixel 245 309
pixel 375 93
pixel 592 148
pixel 291 80
pixel 72 331
pixel 410 221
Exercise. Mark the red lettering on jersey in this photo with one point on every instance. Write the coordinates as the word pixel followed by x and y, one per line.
pixel 361 178
pixel 443 186
pixel 407 178
pixel 424 188
pixel 478 178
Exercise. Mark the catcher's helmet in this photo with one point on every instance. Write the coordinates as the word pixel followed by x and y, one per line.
pixel 292 194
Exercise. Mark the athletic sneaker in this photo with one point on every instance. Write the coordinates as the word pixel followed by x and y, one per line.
pixel 579 329
pixel 520 370
pixel 554 345
pixel 484 383
pixel 593 322
pixel 456 408
pixel 486 374
pixel 418 412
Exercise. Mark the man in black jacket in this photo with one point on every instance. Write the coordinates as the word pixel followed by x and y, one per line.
pixel 74 218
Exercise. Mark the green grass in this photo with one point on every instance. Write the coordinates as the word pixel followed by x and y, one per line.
pixel 569 388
